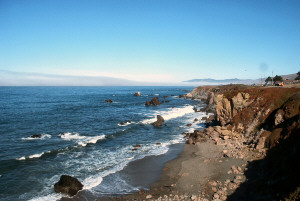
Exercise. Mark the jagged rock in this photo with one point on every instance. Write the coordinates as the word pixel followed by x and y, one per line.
pixel 68 185
pixel 137 94
pixel 279 117
pixel 159 121
pixel 154 101
pixel 226 132
pixel 261 143
pixel 188 95
pixel 108 101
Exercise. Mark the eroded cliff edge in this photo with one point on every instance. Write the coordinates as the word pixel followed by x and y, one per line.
pixel 263 122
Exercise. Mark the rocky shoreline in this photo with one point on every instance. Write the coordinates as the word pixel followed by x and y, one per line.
pixel 248 151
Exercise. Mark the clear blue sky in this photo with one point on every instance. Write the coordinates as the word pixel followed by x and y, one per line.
pixel 151 40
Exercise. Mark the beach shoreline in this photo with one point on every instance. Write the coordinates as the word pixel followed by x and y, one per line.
pixel 222 162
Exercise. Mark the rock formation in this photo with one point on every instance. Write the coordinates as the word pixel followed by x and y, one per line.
pixel 154 101
pixel 108 101
pixel 159 121
pixel 68 185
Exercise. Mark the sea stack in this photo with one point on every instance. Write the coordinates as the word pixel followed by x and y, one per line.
pixel 68 185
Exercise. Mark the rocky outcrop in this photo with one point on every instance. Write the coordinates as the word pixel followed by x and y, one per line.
pixel 159 121
pixel 154 101
pixel 227 109
pixel 108 101
pixel 137 94
pixel 68 185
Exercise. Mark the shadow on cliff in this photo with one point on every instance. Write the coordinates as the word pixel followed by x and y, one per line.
pixel 277 176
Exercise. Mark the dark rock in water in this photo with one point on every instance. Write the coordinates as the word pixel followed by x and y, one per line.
pixel 137 94
pixel 36 136
pixel 108 101
pixel 154 101
pixel 68 185
pixel 125 122
pixel 159 121
pixel 136 146
pixel 196 120
pixel 158 143
pixel 181 96
pixel 189 125
pixel 204 118
pixel 202 110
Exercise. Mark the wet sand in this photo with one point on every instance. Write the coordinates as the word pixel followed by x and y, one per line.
pixel 188 175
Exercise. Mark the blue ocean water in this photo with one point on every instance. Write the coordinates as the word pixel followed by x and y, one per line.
pixel 82 135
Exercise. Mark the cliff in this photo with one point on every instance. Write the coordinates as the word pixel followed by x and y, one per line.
pixel 263 123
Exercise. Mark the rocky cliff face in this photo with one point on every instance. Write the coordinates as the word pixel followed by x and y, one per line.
pixel 252 111
pixel 262 124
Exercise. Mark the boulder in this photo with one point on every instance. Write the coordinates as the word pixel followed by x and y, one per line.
pixel 204 118
pixel 108 101
pixel 154 101
pixel 68 185
pixel 159 121
pixel 137 94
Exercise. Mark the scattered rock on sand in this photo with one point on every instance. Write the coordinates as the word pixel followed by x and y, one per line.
pixel 68 185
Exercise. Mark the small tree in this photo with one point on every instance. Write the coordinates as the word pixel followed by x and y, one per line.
pixel 298 78
pixel 269 79
pixel 277 78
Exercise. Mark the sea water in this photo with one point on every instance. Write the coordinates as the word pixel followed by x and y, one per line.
pixel 82 135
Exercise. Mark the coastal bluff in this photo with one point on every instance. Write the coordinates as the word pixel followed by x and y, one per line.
pixel 249 149
pixel 262 125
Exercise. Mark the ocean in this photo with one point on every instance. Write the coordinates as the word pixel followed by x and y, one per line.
pixel 81 135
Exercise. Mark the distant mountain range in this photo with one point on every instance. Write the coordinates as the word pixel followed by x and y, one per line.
pixel 236 80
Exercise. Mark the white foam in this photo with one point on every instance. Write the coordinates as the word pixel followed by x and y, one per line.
pixel 70 136
pixel 92 182
pixel 125 124
pixel 50 197
pixel 90 140
pixel 43 136
pixel 171 113
pixel 21 158
pixel 36 155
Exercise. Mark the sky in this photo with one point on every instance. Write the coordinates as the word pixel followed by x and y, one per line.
pixel 165 41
